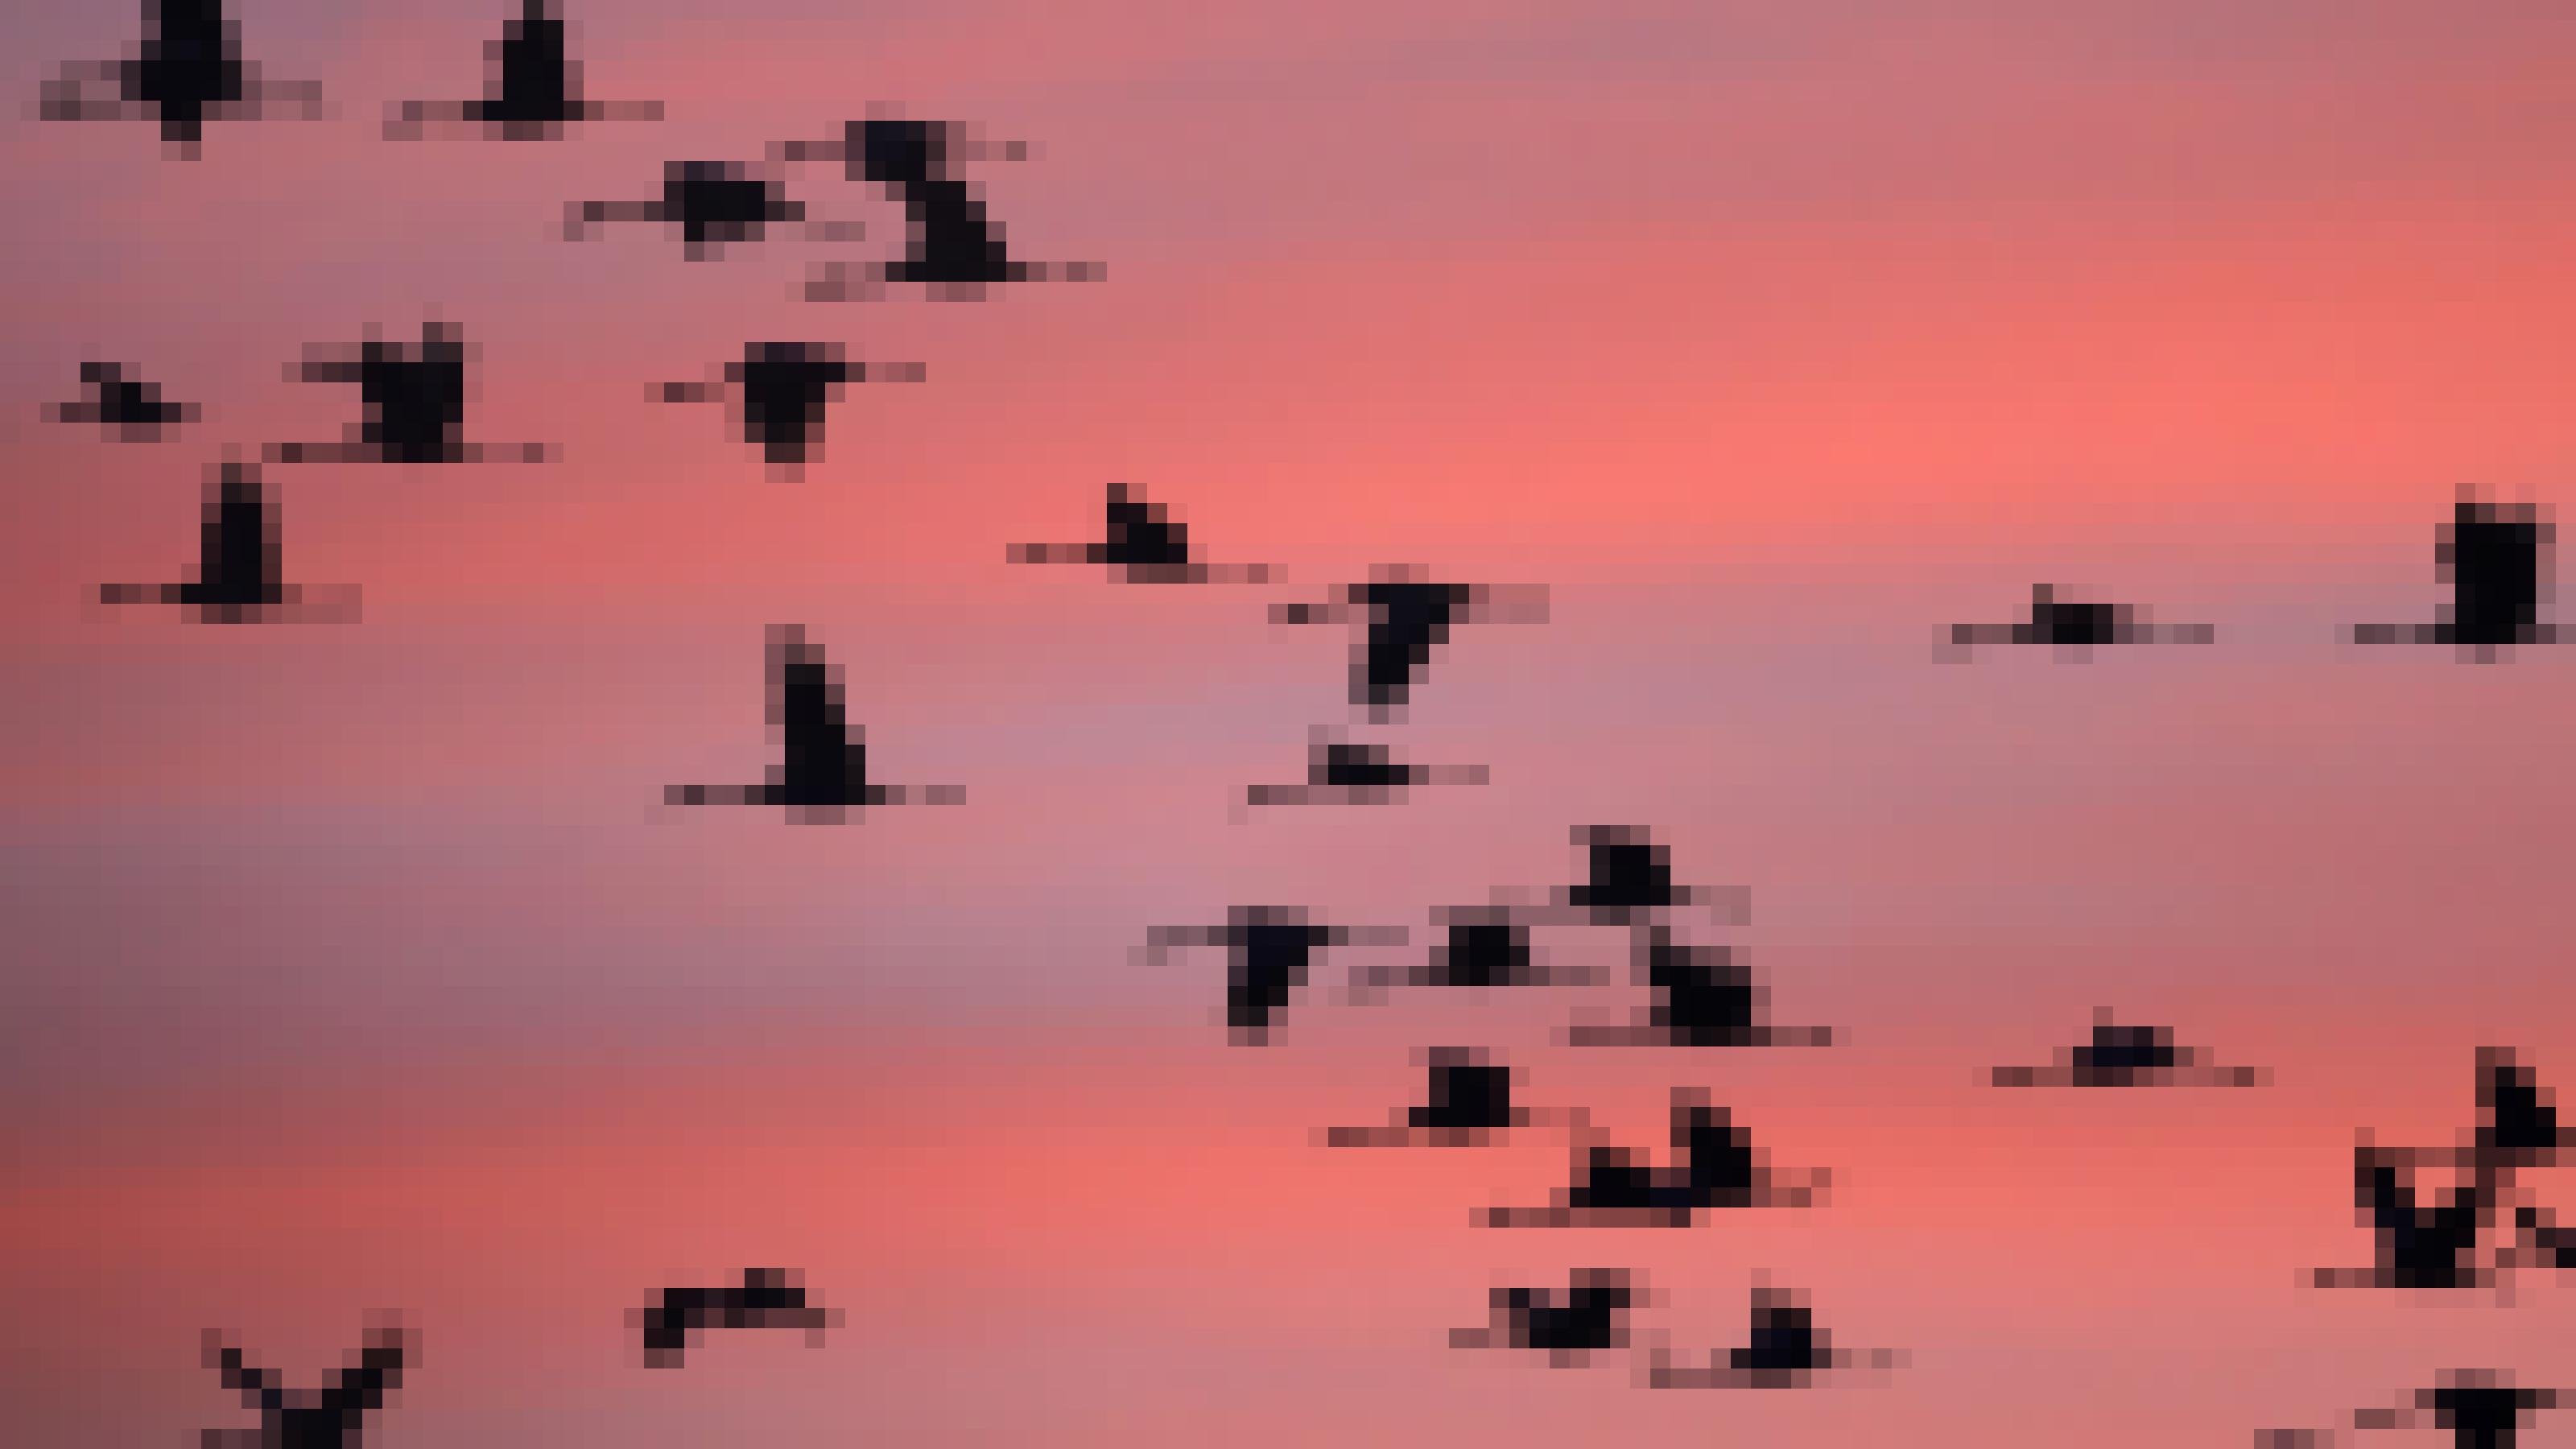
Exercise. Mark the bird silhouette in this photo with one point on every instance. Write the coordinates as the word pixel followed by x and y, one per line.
pixel 332 1417
pixel 1405 620
pixel 1468 1102
pixel 2496 558
pixel 1715 1165
pixel 1785 1349
pixel 2077 627
pixel 1144 543
pixel 766 1298
pixel 2128 1056
pixel 239 580
pixel 534 90
pixel 1269 953
pixel 708 204
pixel 413 396
pixel 1589 1315
pixel 2480 1408
pixel 1700 996
pixel 782 390
pixel 824 770
pixel 128 408
pixel 954 248
pixel 1341 772
pixel 188 70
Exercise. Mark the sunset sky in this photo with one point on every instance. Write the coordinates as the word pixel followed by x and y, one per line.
pixel 360 967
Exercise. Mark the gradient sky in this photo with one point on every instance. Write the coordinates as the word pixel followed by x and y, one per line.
pixel 360 967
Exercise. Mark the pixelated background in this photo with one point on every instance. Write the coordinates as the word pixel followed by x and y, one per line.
pixel 358 968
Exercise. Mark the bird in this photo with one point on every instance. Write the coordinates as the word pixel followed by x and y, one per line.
pixel 2435 1244
pixel 1269 950
pixel 239 580
pixel 128 408
pixel 1701 996
pixel 1143 543
pixel 187 71
pixel 1784 1350
pixel 413 396
pixel 535 91
pixel 706 203
pixel 2077 627
pixel 2128 1056
pixel 1340 772
pixel 1468 1103
pixel 1715 1165
pixel 2496 558
pixel 781 389
pixel 1478 948
pixel 331 1417
pixel 1589 1315
pixel 954 249
pixel 824 770
pixel 766 1298
pixel 2481 1408
pixel 1405 620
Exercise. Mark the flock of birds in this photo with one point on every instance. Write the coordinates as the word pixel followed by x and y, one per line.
pixel 189 70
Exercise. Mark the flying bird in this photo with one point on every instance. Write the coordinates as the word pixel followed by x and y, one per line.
pixel 781 390
pixel 188 70
pixel 766 1298
pixel 1468 1103
pixel 239 580
pixel 2128 1056
pixel 1785 1350
pixel 413 396
pixel 2078 627
pixel 824 769
pixel 2496 558
pixel 2432 1242
pixel 1479 948
pixel 129 408
pixel 1269 950
pixel 707 204
pixel 1143 542
pixel 1715 1165
pixel 332 1417
pixel 1700 996
pixel 1589 1315
pixel 2481 1409
pixel 1405 620
pixel 1339 772
pixel 534 90
pixel 954 248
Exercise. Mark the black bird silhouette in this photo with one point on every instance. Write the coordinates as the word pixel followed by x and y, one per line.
pixel 2496 558
pixel 188 70
pixel 414 398
pixel 767 1298
pixel 1340 772
pixel 1715 1165
pixel 1407 620
pixel 1268 952
pixel 1786 1350
pixel 825 759
pixel 2481 1408
pixel 1479 948
pixel 781 389
pixel 2435 1246
pixel 954 248
pixel 534 90
pixel 1467 1104
pixel 238 576
pixel 1589 1316
pixel 333 1417
pixel 2128 1056
pixel 130 408
pixel 1701 997
pixel 709 203
pixel 1143 541
pixel 2077 627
